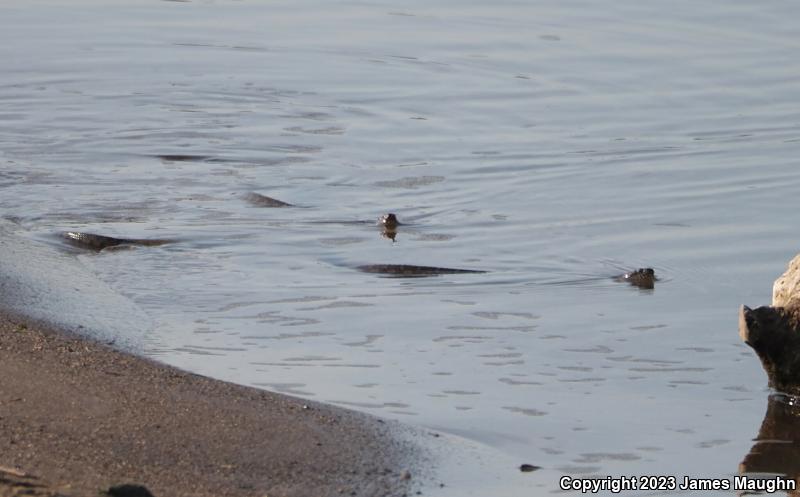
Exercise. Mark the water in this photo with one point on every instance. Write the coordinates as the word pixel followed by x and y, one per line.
pixel 553 145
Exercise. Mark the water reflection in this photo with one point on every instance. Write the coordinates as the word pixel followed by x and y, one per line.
pixel 777 447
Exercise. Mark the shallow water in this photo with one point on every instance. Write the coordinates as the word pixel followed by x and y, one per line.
pixel 551 145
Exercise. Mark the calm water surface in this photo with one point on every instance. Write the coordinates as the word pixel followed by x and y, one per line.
pixel 551 144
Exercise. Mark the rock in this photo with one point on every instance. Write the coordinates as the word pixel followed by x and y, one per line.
pixel 129 490
pixel 786 290
pixel 774 331
pixel 774 334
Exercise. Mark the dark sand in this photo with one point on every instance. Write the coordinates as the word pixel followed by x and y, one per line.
pixel 77 418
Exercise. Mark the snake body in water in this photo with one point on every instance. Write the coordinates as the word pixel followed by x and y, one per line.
pixel 643 278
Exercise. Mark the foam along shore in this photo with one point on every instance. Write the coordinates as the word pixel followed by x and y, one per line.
pixel 48 285
pixel 78 417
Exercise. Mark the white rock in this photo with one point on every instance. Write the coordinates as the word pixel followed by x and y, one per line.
pixel 786 290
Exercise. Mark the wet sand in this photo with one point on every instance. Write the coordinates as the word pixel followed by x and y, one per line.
pixel 77 417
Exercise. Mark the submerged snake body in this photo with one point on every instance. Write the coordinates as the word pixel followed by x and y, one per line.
pixel 99 242
pixel 258 200
pixel 388 222
pixel 410 271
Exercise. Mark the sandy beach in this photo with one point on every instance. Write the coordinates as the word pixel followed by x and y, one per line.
pixel 78 418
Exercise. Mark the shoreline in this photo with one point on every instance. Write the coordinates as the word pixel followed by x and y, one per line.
pixel 79 417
